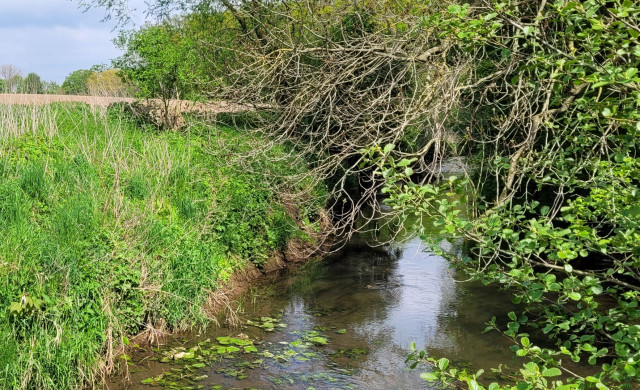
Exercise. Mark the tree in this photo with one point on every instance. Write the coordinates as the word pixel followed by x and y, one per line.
pixel 11 75
pixel 76 82
pixel 159 61
pixel 541 97
pixel 550 118
pixel 32 84
pixel 51 87
pixel 156 59
pixel 107 83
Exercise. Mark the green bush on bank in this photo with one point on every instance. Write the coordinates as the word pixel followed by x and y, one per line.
pixel 106 228
pixel 552 204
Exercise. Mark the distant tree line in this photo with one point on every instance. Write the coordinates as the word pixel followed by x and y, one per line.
pixel 11 81
pixel 97 81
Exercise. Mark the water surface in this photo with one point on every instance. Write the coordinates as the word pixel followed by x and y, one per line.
pixel 342 323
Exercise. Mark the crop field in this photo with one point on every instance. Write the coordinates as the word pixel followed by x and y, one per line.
pixel 104 101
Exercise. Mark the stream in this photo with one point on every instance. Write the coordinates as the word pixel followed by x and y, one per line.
pixel 346 322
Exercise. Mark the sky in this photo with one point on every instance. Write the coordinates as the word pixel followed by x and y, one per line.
pixel 54 37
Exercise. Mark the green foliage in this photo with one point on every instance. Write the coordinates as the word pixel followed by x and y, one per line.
pixel 31 84
pixel 106 228
pixel 12 206
pixel 76 82
pixel 75 218
pixel 247 210
pixel 136 187
pixel 160 61
pixel 552 214
pixel 26 306
pixel 33 181
pixel 51 87
pixel 548 115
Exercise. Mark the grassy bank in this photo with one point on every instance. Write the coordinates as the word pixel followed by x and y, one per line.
pixel 108 229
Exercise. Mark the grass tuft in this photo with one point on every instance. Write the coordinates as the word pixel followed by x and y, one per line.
pixel 106 229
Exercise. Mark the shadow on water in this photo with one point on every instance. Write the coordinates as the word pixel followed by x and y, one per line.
pixel 345 322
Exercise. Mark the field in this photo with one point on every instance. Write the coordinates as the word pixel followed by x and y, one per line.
pixel 102 101
pixel 183 106
pixel 109 229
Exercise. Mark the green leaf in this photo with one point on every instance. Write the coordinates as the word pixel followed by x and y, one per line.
pixel 443 363
pixel 429 376
pixel 15 307
pixel 596 290
pixel 630 370
pixel 473 384
pixel 575 296
pixel 250 348
pixel 600 84
pixel 553 371
pixel 405 162
pixel 630 73
pixel 319 340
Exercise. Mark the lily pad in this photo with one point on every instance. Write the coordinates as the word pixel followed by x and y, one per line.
pixel 319 340
pixel 234 341
pixel 184 355
pixel 250 348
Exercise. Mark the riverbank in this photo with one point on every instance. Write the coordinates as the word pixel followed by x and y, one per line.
pixel 346 322
pixel 110 230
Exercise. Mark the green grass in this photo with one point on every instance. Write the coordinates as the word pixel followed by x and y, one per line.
pixel 112 228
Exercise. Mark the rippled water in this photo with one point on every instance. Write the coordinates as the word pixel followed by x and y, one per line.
pixel 369 304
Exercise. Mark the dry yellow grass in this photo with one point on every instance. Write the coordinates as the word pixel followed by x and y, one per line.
pixel 153 108
pixel 103 101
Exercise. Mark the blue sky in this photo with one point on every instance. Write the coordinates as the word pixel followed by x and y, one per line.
pixel 54 37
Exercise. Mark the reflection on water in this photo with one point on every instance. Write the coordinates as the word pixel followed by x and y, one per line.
pixel 370 304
